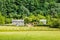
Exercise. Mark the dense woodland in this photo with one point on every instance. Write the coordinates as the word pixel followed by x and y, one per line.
pixel 29 10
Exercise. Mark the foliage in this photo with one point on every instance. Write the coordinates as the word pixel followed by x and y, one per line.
pixel 2 19
pixel 55 23
pixel 8 20
pixel 33 9
pixel 26 7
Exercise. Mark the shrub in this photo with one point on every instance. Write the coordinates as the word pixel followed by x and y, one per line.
pixel 2 19
pixel 8 20
pixel 55 23
pixel 27 20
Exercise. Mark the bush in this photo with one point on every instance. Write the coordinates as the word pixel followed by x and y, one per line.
pixel 27 20
pixel 55 23
pixel 2 19
pixel 8 20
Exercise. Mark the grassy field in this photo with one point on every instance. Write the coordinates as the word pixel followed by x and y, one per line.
pixel 30 35
pixel 14 28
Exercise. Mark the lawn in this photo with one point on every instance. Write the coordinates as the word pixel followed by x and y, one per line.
pixel 30 35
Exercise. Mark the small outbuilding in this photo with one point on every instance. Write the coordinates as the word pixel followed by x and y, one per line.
pixel 44 21
pixel 18 22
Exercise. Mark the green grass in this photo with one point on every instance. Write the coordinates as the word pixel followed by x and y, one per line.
pixel 30 35
pixel 13 28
